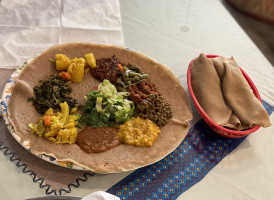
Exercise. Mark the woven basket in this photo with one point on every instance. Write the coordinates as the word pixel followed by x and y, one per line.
pixel 214 126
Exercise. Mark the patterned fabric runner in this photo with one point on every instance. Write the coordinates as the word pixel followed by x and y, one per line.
pixel 201 150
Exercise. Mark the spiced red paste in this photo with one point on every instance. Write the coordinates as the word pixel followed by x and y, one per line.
pixel 95 140
pixel 142 90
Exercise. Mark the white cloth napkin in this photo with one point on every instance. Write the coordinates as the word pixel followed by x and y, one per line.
pixel 100 195
pixel 28 27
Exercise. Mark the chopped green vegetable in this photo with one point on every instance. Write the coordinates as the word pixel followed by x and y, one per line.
pixel 107 107
pixel 129 75
pixel 50 93
pixel 96 119
pixel 108 90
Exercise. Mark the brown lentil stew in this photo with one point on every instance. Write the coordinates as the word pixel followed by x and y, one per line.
pixel 154 108
pixel 107 68
pixel 96 140
pixel 142 90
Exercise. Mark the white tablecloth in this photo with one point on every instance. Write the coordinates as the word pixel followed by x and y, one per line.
pixel 29 27
pixel 154 28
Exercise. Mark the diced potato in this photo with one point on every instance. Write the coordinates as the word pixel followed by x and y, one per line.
pixel 76 71
pixel 90 60
pixel 78 61
pixel 62 62
pixel 70 68
pixel 86 69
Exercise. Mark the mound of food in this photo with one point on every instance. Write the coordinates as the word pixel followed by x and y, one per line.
pixel 100 107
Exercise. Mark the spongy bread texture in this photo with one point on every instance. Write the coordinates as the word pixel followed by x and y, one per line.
pixel 124 157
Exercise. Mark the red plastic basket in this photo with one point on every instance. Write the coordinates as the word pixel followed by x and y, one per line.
pixel 214 126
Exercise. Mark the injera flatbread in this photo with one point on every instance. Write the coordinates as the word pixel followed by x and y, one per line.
pixel 124 157
pixel 225 95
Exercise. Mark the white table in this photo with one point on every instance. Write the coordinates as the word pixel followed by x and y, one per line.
pixel 154 28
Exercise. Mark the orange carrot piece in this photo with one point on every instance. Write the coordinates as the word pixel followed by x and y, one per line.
pixel 120 66
pixel 65 76
pixel 47 120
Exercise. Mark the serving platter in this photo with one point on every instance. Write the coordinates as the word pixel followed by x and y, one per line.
pixel 177 130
